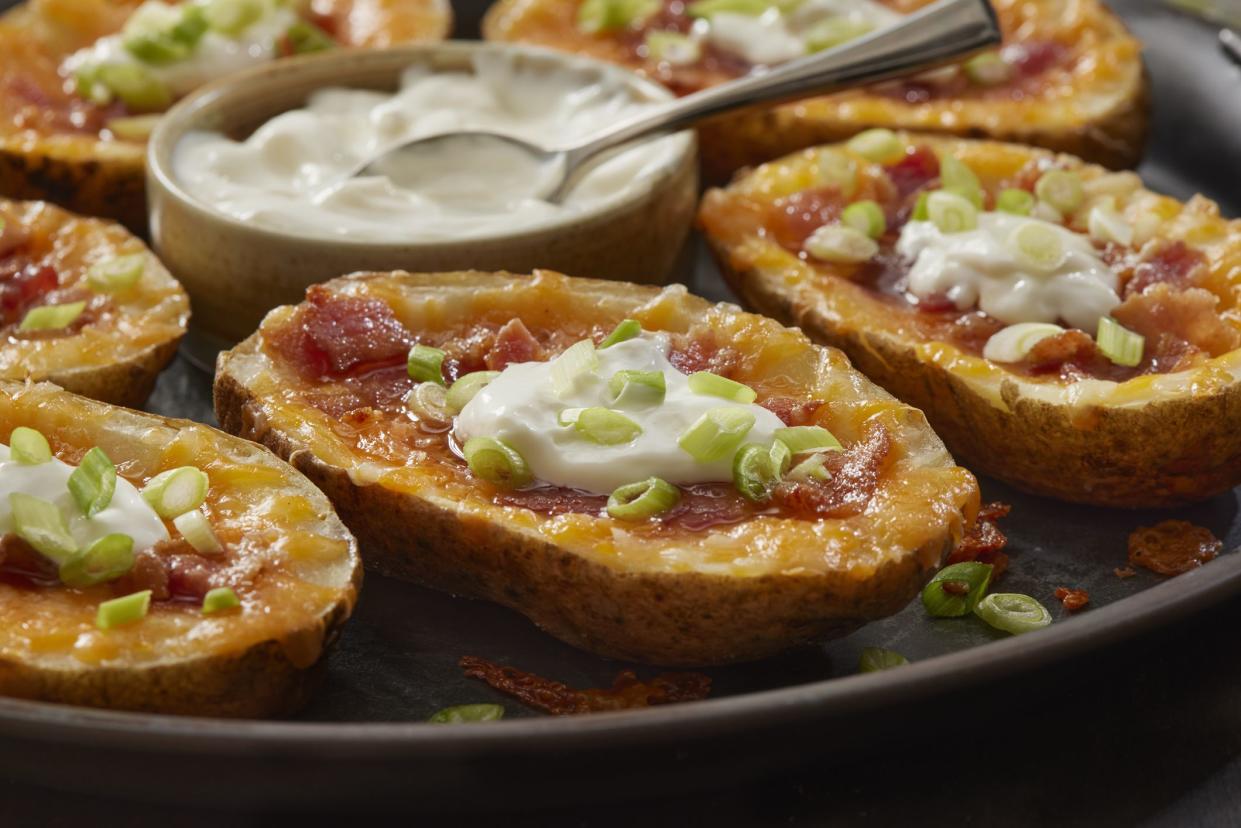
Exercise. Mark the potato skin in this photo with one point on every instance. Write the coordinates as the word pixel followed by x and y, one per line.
pixel 110 184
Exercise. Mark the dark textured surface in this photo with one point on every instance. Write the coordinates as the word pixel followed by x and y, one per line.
pixel 1148 731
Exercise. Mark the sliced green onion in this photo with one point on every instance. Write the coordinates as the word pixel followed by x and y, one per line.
pixel 135 86
pixel 920 212
pixel 425 364
pixel 673 47
pixel 707 8
pixel 833 31
pixel 119 612
pixel 605 426
pixel 466 388
pixel 118 274
pixel 466 713
pixel 569 416
pixel 883 146
pixel 133 127
pixel 29 447
pixel 52 317
pixel 191 27
pixel 1119 344
pixel 578 360
pixel 93 482
pixel 1013 612
pixel 232 17
pixel 1061 189
pixel 1017 202
pixel 39 523
pixel 812 468
pixel 1038 245
pixel 841 244
pixel 156 49
pixel 955 176
pixel 717 434
pixel 306 38
pixel 755 474
pixel 644 499
pixel 89 86
pixel 988 69
pixel 1106 224
pixel 220 599
pixel 176 491
pixel 595 16
pixel 705 382
pixel 950 212
pixel 865 217
pixel 781 457
pixel 625 330
pixel 633 389
pixel 496 462
pixel 105 560
pixel 874 659
pixel 801 439
pixel 956 590
pixel 838 169
pixel 1014 343
pixel 428 401
pixel 195 528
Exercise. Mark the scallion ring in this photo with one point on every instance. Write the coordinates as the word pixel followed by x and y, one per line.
pixel 955 176
pixel 956 590
pixel 781 457
pixel 705 382
pixel 466 388
pixel 1119 344
pixel 1061 189
pixel 717 434
pixel 220 599
pixel 29 447
pixel 634 389
pixel 874 659
pixel 578 360
pixel 428 401
pixel 755 474
pixel 812 468
pixel 93 482
pixel 105 560
pixel 801 439
pixel 52 317
pixel 882 146
pixel 605 426
pixel 644 499
pixel 837 169
pixel 426 364
pixel 1014 201
pixel 196 529
pixel 119 612
pixel 625 330
pixel 865 217
pixel 1013 612
pixel 1038 245
pixel 496 462
pixel 841 244
pixel 950 212
pixel 176 491
pixel 467 713
pixel 40 523
pixel 116 275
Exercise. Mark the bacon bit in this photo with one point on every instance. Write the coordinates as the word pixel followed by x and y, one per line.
pixel 23 289
pixel 792 219
pixel 1051 353
pixel 915 171
pixel 1123 572
pixel 955 587
pixel 1189 315
pixel 854 476
pixel 467 353
pixel 791 411
pixel 984 542
pixel 1034 57
pixel 1072 599
pixel 172 570
pixel 513 343
pixel 1175 263
pixel 702 505
pixel 149 572
pixel 334 336
pixel 553 500
pixel 974 329
pixel 22 565
pixel 626 692
pixel 1172 547
pixel 699 351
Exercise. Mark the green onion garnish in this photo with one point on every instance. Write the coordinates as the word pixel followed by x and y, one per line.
pixel 197 531
pixel 306 38
pixel 176 491
pixel 812 468
pixel 132 128
pixel 625 330
pixel 838 169
pixel 39 523
pixel 1013 612
pixel 672 47
pixel 841 244
pixel 882 146
pixel 801 439
pixel 1061 189
pixel 496 462
pixel 950 212
pixel 1038 245
pixel 51 317
pixel 466 713
pixel 428 401
pixel 578 360
pixel 707 8
pixel 1017 202
pixel 220 599
pixel 644 499
pixel 1119 344
pixel 105 560
pixel 834 31
pixel 425 364
pixel 920 212
pixel 29 447
pixel 156 49
pixel 134 85
pixel 466 388
pixel 633 389
pixel 191 27
pixel 121 611
pixel 755 474
pixel 717 434
pixel 781 457
pixel 595 16
pixel 232 17
pixel 605 426
pixel 118 274
pixel 93 482
pixel 988 69
pixel 1014 343
pixel 955 176
pixel 956 590
pixel 865 217
pixel 1106 224
pixel 874 659
pixel 713 385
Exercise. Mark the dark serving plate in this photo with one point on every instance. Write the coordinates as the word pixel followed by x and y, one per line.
pixel 362 741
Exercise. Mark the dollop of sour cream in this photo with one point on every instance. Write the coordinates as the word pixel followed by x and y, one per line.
pixel 127 514
pixel 520 407
pixel 292 173
pixel 983 268
pixel 776 36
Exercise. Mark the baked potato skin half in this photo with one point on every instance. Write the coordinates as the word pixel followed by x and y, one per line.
pixel 562 575
pixel 116 359
pixel 50 146
pixel 254 663
pixel 1153 441
pixel 1098 109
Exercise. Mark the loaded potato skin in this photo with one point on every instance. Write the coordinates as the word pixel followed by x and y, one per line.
pixel 1063 422
pixel 703 586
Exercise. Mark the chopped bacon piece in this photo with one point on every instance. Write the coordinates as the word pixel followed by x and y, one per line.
pixel 513 343
pixel 172 570
pixel 705 505
pixel 984 542
pixel 1071 346
pixel 554 500
pixel 334 336
pixel 854 475
pixel 700 351
pixel 1072 599
pixel 1188 315
pixel 1175 263
pixel 793 218
pixel 792 411
pixel 23 565
pixel 149 572
pixel 914 172
pixel 1031 57
pixel 467 353
pixel 626 692
pixel 974 329
pixel 1123 572
pixel 1172 547
pixel 23 289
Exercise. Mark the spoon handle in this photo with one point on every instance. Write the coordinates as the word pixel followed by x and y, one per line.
pixel 941 32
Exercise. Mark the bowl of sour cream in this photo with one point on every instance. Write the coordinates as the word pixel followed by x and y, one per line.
pixel 252 197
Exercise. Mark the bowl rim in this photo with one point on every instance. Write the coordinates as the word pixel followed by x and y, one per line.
pixel 179 120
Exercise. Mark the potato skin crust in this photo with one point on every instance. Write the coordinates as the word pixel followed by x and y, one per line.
pixel 1106 455
pixel 675 619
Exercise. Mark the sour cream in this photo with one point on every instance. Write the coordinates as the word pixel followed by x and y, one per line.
pixel 291 174
pixel 776 36
pixel 127 514
pixel 982 268
pixel 520 407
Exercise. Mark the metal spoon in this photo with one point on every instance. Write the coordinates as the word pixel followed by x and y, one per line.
pixel 938 34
